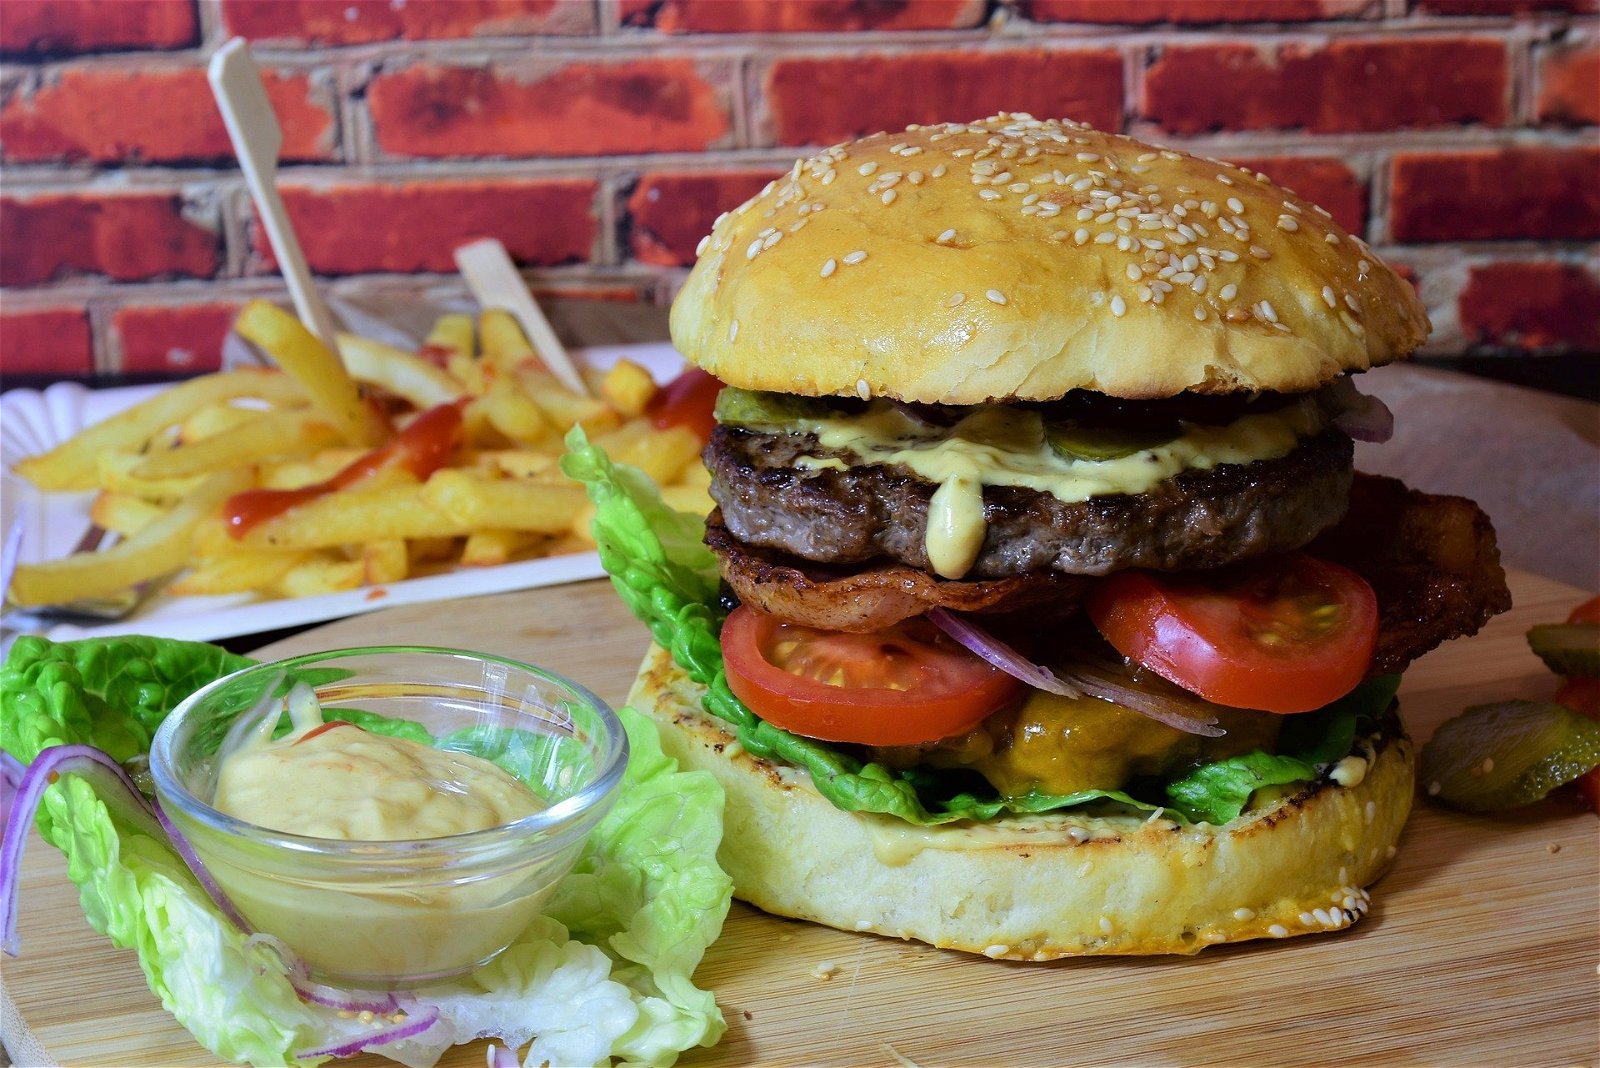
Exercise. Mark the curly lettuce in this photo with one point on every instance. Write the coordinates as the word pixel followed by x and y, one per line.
pixel 664 573
pixel 604 977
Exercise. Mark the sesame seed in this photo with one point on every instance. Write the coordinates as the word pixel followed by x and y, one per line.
pixel 1224 179
pixel 1307 919
pixel 867 168
pixel 948 235
pixel 1080 236
pixel 829 267
pixel 855 257
pixel 990 194
pixel 1133 272
pixel 955 300
pixel 1200 312
pixel 1278 930
pixel 939 171
pixel 1292 206
pixel 1288 222
pixel 995 296
pixel 1105 925
pixel 1119 307
pixel 1323 917
pixel 1244 914
pixel 1267 312
pixel 733 330
pixel 1328 297
pixel 888 196
pixel 1260 253
pixel 915 177
pixel 701 247
pixel 1351 303
pixel 863 390
pixel 754 249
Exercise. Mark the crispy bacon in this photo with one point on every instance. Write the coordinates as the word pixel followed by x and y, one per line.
pixel 1431 559
pixel 877 597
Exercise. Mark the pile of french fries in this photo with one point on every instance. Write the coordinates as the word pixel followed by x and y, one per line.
pixel 164 470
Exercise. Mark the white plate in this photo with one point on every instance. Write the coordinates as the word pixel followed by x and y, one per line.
pixel 31 422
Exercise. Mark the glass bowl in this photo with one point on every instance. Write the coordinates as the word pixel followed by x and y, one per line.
pixel 383 914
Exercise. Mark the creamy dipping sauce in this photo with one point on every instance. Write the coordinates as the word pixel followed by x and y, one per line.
pixel 336 780
pixel 1002 446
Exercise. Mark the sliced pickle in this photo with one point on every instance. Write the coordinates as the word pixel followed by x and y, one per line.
pixel 1507 754
pixel 1071 441
pixel 1568 648
pixel 748 407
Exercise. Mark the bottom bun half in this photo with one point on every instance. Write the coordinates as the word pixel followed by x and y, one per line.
pixel 1043 887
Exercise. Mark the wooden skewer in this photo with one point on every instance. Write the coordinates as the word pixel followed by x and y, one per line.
pixel 495 283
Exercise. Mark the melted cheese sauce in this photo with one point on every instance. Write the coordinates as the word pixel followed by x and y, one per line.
pixel 1002 446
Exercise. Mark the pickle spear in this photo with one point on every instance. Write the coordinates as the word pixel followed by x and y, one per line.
pixel 1568 648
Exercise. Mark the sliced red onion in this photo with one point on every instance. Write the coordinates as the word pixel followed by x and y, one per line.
pixel 11 773
pixel 998 654
pixel 413 1025
pixel 1362 417
pixel 1082 679
pixel 502 1057
pixel 111 784
pixel 197 867
pixel 375 1001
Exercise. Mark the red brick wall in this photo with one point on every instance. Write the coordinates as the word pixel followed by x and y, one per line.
pixel 599 138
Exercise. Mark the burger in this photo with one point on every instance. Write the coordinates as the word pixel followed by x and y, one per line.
pixel 1053 619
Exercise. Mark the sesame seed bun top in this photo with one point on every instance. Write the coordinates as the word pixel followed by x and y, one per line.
pixel 1018 259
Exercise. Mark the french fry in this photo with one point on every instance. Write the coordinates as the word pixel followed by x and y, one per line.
pixel 506 503
pixel 116 475
pixel 688 499
pixel 211 420
pixel 582 526
pixel 514 413
pixel 123 513
pixel 485 548
pixel 662 454
pixel 308 361
pixel 426 551
pixel 398 372
pixel 628 387
pixel 236 570
pixel 356 516
pixel 74 464
pixel 292 474
pixel 159 549
pixel 321 574
pixel 566 408
pixel 267 436
pixel 384 560
pixel 505 346
pixel 452 336
pixel 525 463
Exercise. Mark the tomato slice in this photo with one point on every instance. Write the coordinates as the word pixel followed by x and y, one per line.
pixel 1583 696
pixel 900 686
pixel 1286 634
pixel 1587 612
pixel 688 400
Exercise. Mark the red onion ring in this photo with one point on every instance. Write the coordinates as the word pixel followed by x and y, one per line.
pixel 1084 679
pixel 409 1027
pixel 1362 417
pixel 502 1057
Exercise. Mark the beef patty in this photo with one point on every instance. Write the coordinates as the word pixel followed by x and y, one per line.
pixel 1196 519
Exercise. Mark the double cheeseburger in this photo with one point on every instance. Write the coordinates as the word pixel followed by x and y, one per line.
pixel 1057 620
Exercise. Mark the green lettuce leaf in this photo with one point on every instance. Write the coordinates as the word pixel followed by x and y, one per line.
pixel 604 977
pixel 665 574
pixel 1218 792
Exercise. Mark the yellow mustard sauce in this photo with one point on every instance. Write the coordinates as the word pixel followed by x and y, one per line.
pixel 338 781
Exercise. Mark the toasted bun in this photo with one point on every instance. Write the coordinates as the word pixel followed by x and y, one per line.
pixel 1040 888
pixel 996 260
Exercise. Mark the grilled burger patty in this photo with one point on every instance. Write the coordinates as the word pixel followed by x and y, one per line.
pixel 1196 519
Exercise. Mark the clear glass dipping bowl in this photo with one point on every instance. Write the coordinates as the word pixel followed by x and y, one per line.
pixel 400 913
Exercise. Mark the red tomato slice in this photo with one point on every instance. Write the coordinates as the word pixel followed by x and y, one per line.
pixel 1587 612
pixel 687 400
pixel 900 686
pixel 1286 634
pixel 1583 697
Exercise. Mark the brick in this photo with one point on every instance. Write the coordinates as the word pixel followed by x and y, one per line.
pixel 47 341
pixel 113 115
pixel 124 236
pixel 802 16
pixel 1191 12
pixel 168 339
pixel 819 100
pixel 670 213
pixel 1346 86
pixel 1505 7
pixel 1531 306
pixel 1323 181
pixel 1569 85
pixel 578 109
pixel 347 22
pixel 58 27
pixel 1505 194
pixel 416 226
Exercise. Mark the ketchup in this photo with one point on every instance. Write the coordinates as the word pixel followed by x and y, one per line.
pixel 421 448
pixel 688 400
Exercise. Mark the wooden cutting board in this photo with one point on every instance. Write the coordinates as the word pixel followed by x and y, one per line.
pixel 1481 947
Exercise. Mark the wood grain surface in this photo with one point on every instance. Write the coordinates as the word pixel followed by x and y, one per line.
pixel 1481 947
